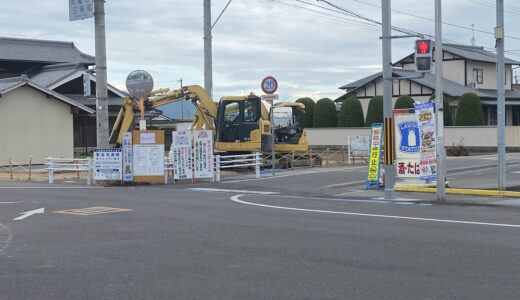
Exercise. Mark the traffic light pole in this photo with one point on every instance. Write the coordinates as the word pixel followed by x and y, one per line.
pixel 501 118
pixel 387 88
pixel 101 75
pixel 439 92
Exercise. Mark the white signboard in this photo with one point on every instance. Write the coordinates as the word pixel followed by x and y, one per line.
pixel 203 140
pixel 407 144
pixel 81 9
pixel 147 138
pixel 359 145
pixel 148 160
pixel 127 157
pixel 107 164
pixel 182 155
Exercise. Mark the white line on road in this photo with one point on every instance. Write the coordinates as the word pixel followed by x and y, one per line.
pixel 49 187
pixel 30 213
pixel 237 200
pixel 7 202
pixel 231 191
pixel 342 184
pixel 295 174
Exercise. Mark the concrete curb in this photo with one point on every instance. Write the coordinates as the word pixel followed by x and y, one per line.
pixel 473 192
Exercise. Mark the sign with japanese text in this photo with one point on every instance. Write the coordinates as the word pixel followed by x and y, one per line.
pixel 182 155
pixel 127 157
pixel 407 143
pixel 203 147
pixel 81 9
pixel 107 164
pixel 148 160
pixel 427 153
pixel 376 138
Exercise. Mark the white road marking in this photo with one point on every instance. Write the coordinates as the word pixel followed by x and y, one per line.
pixel 30 213
pixel 398 199
pixel 295 174
pixel 49 187
pixel 231 191
pixel 7 202
pixel 237 200
pixel 5 231
pixel 342 184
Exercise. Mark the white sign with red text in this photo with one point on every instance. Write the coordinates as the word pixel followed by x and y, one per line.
pixel 203 148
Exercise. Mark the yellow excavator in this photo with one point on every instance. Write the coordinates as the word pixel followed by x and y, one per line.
pixel 239 123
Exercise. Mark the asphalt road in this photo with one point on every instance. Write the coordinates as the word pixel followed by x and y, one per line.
pixel 291 237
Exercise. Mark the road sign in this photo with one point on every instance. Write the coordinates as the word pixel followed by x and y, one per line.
pixel 269 85
pixel 269 97
pixel 81 9
pixel 139 83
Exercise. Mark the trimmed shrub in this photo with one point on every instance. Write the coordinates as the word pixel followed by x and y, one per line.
pixel 404 102
pixel 325 114
pixel 306 119
pixel 374 111
pixel 351 113
pixel 470 112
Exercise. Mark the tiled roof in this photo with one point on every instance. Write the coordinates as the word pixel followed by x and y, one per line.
pixel 113 102
pixel 475 53
pixel 361 82
pixel 15 49
pixel 51 74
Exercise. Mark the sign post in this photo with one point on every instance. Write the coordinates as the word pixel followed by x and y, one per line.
pixel 376 138
pixel 107 165
pixel 80 10
pixel 139 84
pixel 269 86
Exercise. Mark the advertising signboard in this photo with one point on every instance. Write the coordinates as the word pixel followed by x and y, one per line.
pixel 107 164
pixel 407 143
pixel 427 153
pixel 182 155
pixel 203 147
pixel 148 160
pixel 376 137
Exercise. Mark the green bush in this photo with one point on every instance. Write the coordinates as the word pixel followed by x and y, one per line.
pixel 306 119
pixel 325 114
pixel 404 102
pixel 448 121
pixel 351 113
pixel 374 111
pixel 470 111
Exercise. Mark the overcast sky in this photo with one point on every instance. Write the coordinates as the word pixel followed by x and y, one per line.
pixel 310 50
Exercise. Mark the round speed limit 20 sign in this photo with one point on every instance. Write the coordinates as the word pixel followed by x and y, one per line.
pixel 269 85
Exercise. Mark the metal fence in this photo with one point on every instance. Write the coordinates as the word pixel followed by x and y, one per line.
pixel 15 167
pixel 76 165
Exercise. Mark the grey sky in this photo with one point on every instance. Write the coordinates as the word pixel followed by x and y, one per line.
pixel 310 51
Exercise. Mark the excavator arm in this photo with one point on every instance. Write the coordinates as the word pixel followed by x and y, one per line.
pixel 204 116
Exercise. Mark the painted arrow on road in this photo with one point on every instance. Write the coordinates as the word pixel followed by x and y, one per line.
pixel 29 213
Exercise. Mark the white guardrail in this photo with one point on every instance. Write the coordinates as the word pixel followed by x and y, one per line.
pixel 237 161
pixel 70 165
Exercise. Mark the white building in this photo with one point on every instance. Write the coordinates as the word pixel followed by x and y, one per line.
pixel 465 69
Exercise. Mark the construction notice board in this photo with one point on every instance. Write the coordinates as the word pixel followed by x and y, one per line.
pixel 148 156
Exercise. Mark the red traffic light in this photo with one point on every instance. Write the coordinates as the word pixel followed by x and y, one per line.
pixel 423 46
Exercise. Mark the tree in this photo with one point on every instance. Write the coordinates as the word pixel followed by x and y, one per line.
pixel 351 113
pixel 448 121
pixel 325 114
pixel 374 111
pixel 306 119
pixel 404 102
pixel 470 112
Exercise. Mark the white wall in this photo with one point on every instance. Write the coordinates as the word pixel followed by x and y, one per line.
pixel 34 125
pixel 490 75
pixel 485 136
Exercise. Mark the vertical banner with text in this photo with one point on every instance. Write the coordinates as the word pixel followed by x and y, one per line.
pixel 203 147
pixel 182 155
pixel 407 143
pixel 376 137
pixel 427 153
pixel 127 157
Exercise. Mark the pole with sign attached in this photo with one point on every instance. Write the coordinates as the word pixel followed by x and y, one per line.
pixel 269 86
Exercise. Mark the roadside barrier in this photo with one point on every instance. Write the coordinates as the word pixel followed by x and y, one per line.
pixel 17 167
pixel 70 165
pixel 237 161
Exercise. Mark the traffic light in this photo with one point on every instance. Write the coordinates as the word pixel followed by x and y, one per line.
pixel 423 56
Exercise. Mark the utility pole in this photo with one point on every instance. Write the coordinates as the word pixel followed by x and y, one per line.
pixel 439 104
pixel 499 37
pixel 101 75
pixel 208 63
pixel 387 88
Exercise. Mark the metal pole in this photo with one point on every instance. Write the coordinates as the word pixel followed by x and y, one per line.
pixel 208 63
pixel 387 87
pixel 499 36
pixel 439 104
pixel 273 154
pixel 101 75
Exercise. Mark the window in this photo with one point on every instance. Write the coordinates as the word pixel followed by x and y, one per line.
pixel 251 110
pixel 231 112
pixel 478 76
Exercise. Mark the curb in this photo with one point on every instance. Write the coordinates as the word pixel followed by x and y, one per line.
pixel 473 192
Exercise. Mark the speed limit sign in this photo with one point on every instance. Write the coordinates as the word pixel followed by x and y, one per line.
pixel 269 85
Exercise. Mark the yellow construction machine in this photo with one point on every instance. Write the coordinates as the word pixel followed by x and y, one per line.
pixel 239 123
